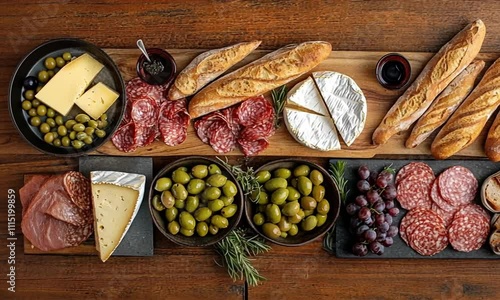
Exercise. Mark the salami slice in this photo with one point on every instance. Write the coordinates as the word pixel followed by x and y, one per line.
pixel 473 209
pixel 409 218
pixel 447 216
pixel 254 110
pixel 413 191
pixel 137 88
pixel 457 185
pixel 429 238
pixel 201 126
pixel 144 112
pixel 221 138
pixel 468 233
pixel 78 188
pixel 173 122
pixel 123 139
pixel 145 136
pixel 232 121
pixel 439 201
pixel 260 131
pixel 250 148
pixel 411 169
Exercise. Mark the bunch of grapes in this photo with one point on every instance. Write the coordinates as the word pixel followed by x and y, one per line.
pixel 372 211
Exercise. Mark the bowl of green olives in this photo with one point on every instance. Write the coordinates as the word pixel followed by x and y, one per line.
pixel 195 201
pixel 298 202
pixel 75 133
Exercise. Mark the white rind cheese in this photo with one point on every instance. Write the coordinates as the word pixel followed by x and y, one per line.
pixel 305 94
pixel 345 101
pixel 97 100
pixel 116 199
pixel 311 130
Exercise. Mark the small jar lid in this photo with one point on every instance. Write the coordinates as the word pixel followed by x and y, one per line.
pixel 393 71
pixel 161 69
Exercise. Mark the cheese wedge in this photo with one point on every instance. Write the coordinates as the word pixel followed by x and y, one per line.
pixel 311 130
pixel 306 95
pixel 97 100
pixel 69 83
pixel 116 199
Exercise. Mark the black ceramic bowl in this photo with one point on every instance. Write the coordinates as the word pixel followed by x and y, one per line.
pixel 195 240
pixel 303 237
pixel 164 67
pixel 32 63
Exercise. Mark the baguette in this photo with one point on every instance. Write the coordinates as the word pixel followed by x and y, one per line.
pixel 468 121
pixel 208 66
pixel 448 62
pixel 263 75
pixel 492 145
pixel 447 102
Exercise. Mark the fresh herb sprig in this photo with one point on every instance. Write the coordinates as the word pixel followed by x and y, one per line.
pixel 235 250
pixel 247 179
pixel 279 99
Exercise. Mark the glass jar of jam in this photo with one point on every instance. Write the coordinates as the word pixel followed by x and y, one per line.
pixel 161 69
pixel 393 71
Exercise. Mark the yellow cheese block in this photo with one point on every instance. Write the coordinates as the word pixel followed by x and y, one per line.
pixel 69 83
pixel 97 100
pixel 115 207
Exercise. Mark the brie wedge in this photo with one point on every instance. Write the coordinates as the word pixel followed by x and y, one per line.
pixel 116 198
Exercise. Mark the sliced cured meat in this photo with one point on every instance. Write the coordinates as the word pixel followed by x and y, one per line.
pixel 438 200
pixel 429 238
pixel 260 131
pixel 250 148
pixel 473 209
pixel 468 233
pixel 145 136
pixel 144 112
pixel 232 121
pixel 78 188
pixel 137 88
pixel 123 139
pixel 201 126
pixel 254 110
pixel 447 216
pixel 411 169
pixel 173 122
pixel 413 191
pixel 221 138
pixel 66 211
pixel 457 185
pixel 29 190
pixel 408 219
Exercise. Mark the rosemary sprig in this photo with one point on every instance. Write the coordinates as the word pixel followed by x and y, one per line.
pixel 279 99
pixel 235 250
pixel 246 179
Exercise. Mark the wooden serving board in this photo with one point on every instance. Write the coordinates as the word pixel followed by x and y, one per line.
pixel 358 65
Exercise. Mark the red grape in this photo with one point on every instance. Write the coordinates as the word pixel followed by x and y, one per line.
pixel 364 213
pixel 369 221
pixel 379 206
pixel 381 236
pixel 359 249
pixel 361 229
pixel 376 247
pixel 388 241
pixel 390 192
pixel 351 209
pixel 381 181
pixel 370 235
pixel 387 175
pixel 363 172
pixel 393 211
pixel 384 227
pixel 393 231
pixel 379 219
pixel 361 201
pixel 372 196
pixel 388 218
pixel 389 204
pixel 363 186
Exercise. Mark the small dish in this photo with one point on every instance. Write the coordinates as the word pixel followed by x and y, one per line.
pixel 491 186
pixel 393 71
pixel 161 70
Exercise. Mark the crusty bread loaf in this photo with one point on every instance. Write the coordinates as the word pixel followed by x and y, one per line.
pixel 263 75
pixel 445 104
pixel 450 60
pixel 469 119
pixel 492 193
pixel 207 67
pixel 495 242
pixel 492 145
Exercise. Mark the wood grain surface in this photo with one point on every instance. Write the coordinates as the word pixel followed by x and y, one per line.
pixel 185 273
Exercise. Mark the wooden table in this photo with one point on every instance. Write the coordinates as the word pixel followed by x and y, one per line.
pixel 184 273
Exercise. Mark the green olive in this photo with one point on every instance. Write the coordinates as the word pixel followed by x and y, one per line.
pixel 316 177
pixel 211 193
pixel 323 207
pixel 51 113
pixel 92 123
pixel 229 210
pixel 157 204
pixel 275 183
pixel 215 205
pixel 199 171
pixel 273 213
pixel 279 196
pixel 60 62
pixel 41 110
pixel 321 219
pixel 282 173
pixel 29 95
pixel 217 180
pixel 100 133
pixel 293 194
pixel 186 220
pixel 54 133
pixel 308 212
pixel 51 122
pixel 82 118
pixel 202 229
pixel 65 141
pixel 51 73
pixel 88 140
pixel 180 176
pixel 81 135
pixel 214 169
pixel 69 124
pixel 78 127
pixel 180 204
pixel 213 229
pixel 219 221
pixel 104 118
pixel 304 185
pixel 308 203
pixel 62 130
pixel 192 203
pixel 43 76
pixel 32 112
pixel 284 225
pixel 259 219
pixel 272 231
pixel 167 199
pixel 318 192
pixel 263 176
pixel 297 218
pixel 50 63
pixel 186 232
pixel 48 137
pixel 171 213
pixel 302 170
pixel 291 208
pixel 72 135
pixel 35 121
pixel 89 131
pixel 44 128
pixel 283 234
pixel 173 227
pixel 35 103
pixel 309 223
pixel 163 184
pixel 26 105
pixel 102 124
pixel 38 88
pixel 294 229
pixel 57 142
pixel 59 120
pixel 229 189
pixel 202 214
pixel 227 200
pixel 66 56
pixel 195 186
pixel 262 198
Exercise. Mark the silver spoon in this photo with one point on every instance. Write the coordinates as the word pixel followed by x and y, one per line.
pixel 140 45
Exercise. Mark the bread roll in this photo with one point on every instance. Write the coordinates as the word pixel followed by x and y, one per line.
pixel 447 102
pixel 451 59
pixel 492 145
pixel 263 75
pixel 468 121
pixel 208 66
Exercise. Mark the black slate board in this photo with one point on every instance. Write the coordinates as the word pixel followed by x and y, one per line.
pixel 139 239
pixel 344 240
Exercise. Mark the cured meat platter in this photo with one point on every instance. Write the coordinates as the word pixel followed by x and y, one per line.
pixel 344 240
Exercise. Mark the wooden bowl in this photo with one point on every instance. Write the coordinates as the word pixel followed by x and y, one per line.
pixel 303 237
pixel 194 241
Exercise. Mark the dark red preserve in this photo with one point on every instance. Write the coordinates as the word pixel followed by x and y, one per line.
pixel 393 71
